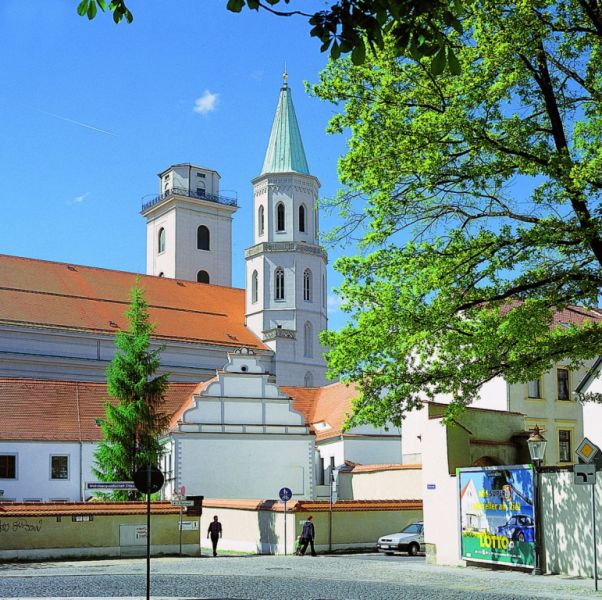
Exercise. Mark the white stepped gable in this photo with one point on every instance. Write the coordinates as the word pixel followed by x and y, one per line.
pixel 243 397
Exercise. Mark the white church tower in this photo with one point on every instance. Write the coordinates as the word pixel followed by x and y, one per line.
pixel 189 227
pixel 286 267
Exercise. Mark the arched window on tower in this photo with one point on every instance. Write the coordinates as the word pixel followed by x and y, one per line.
pixel 254 286
pixel 279 284
pixel 308 342
pixel 202 277
pixel 307 285
pixel 161 240
pixel 203 238
pixel 308 380
pixel 280 220
pixel 302 218
pixel 260 220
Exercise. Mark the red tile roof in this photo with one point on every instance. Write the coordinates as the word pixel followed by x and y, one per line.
pixel 313 506
pixel 32 409
pixel 330 404
pixel 378 468
pixel 51 294
pixel 52 509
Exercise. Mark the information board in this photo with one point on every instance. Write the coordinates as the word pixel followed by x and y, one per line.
pixel 497 517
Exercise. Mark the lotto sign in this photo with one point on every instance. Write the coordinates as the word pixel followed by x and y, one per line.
pixel 496 512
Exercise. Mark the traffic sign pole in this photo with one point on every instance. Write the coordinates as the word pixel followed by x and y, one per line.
pixel 285 495
pixel 285 529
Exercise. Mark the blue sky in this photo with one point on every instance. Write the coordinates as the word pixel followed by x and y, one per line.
pixel 92 111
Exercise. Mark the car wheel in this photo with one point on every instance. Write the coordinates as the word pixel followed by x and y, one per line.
pixel 521 536
pixel 413 549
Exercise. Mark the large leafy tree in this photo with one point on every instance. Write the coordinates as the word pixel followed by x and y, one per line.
pixel 135 421
pixel 477 199
pixel 420 26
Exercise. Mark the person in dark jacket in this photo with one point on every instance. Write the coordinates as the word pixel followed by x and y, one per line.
pixel 215 531
pixel 308 535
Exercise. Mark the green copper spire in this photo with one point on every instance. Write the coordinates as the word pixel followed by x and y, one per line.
pixel 285 148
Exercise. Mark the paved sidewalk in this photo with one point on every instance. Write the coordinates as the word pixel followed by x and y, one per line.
pixel 266 577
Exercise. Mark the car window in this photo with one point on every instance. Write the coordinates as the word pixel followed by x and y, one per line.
pixel 413 528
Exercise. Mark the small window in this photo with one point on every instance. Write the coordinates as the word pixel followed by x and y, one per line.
pixel 202 175
pixel 161 240
pixel 302 218
pixel 308 381
pixel 8 466
pixel 202 277
pixel 321 471
pixel 280 217
pixel 200 192
pixel 59 467
pixel 534 388
pixel 308 343
pixel 324 291
pixel 260 220
pixel 203 238
pixel 279 284
pixel 254 286
pixel 562 378
pixel 307 285
pixel 564 445
pixel 161 274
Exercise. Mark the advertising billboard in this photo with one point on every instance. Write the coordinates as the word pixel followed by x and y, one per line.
pixel 497 516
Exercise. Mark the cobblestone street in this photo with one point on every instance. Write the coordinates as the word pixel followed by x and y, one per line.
pixel 278 577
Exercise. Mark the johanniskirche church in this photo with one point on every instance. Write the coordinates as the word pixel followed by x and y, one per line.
pixel 251 409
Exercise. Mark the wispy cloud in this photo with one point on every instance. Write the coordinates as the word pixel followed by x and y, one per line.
pixel 80 199
pixel 77 123
pixel 206 103
pixel 334 303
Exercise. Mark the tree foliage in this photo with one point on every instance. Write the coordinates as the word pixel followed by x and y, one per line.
pixel 352 26
pixel 134 423
pixel 477 199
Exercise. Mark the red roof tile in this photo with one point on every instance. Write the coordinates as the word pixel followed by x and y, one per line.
pixel 32 409
pixel 51 294
pixel 330 404
pixel 51 509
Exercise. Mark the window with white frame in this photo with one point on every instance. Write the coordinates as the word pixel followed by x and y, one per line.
pixel 564 445
pixel 279 284
pixel 254 286
pixel 307 285
pixel 203 238
pixel 534 388
pixel 308 343
pixel 59 466
pixel 8 466
pixel 302 218
pixel 280 217
pixel 260 220
pixel 161 240
pixel 562 379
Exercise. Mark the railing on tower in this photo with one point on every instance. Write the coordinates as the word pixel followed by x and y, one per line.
pixel 189 194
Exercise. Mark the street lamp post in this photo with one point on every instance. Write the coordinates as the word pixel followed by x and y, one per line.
pixel 537 449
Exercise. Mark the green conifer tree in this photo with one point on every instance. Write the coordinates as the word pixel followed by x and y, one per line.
pixel 134 423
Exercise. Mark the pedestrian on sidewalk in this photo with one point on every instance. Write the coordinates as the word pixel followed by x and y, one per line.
pixel 215 531
pixel 308 535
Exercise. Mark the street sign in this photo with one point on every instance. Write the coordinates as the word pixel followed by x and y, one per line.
pixel 188 526
pixel 587 450
pixel 285 494
pixel 110 485
pixel 148 480
pixel 584 474
pixel 182 502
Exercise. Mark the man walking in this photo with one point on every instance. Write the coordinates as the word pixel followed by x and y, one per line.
pixel 308 536
pixel 215 531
